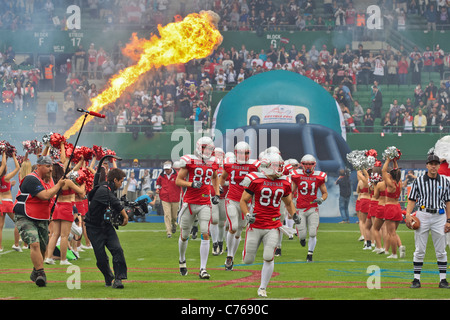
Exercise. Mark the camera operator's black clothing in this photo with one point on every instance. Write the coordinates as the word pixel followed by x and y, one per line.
pixel 100 201
pixel 102 234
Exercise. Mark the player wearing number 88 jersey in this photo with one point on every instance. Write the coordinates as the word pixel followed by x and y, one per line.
pixel 267 192
pixel 308 181
pixel 196 175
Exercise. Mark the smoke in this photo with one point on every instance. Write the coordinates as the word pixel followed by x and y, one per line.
pixel 330 207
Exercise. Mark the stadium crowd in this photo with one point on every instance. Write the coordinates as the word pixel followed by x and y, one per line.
pixel 185 90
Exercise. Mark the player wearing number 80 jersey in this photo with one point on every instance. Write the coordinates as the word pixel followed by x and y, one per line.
pixel 307 182
pixel 267 190
pixel 197 173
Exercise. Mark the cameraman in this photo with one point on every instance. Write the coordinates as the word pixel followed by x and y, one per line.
pixel 101 233
pixel 345 191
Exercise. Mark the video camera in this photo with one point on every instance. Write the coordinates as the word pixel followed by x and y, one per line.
pixel 134 209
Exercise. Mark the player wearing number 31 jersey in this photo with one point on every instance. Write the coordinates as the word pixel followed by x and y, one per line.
pixel 267 190
pixel 308 181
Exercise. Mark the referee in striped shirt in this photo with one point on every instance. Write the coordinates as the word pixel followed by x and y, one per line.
pixel 431 194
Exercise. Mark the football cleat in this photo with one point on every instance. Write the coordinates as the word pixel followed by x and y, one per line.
pixel 203 274
pixel 183 269
pixel 309 257
pixel 229 264
pixel 262 293
pixel 215 250
pixel 277 252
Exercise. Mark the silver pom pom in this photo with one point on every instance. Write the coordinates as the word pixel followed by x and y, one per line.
pixel 391 153
pixel 73 175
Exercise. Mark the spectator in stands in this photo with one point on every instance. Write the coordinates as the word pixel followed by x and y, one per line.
pixel 428 59
pixel 431 93
pixel 108 68
pixel 443 20
pixel 368 120
pixel 377 102
pixel 92 61
pixel 439 61
pixel 443 94
pixel 18 96
pixel 433 122
pixel 408 122
pixel 158 121
pixel 79 60
pixel 358 113
pixel 52 110
pixel 378 71
pixel 29 97
pixel 420 122
pixel 402 70
pixel 393 109
pixel 386 123
pixel 392 66
pixel 416 69
pixel 431 16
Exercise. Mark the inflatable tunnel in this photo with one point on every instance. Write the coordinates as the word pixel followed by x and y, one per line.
pixel 284 109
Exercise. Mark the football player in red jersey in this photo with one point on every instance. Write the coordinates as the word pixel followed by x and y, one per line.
pixel 307 181
pixel 217 227
pixel 197 173
pixel 235 173
pixel 267 190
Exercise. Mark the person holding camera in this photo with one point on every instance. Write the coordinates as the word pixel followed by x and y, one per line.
pixel 100 230
pixel 345 191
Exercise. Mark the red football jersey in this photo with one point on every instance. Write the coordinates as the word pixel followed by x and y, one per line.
pixel 236 173
pixel 307 187
pixel 198 170
pixel 444 169
pixel 267 197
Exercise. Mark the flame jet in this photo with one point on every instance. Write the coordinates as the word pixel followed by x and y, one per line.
pixel 195 37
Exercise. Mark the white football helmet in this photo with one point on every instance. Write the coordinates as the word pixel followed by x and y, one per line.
pixel 242 152
pixel 272 165
pixel 273 149
pixel 204 148
pixel 219 154
pixel 308 163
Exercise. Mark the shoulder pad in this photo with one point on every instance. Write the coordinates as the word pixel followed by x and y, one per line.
pixel 249 178
pixel 254 162
pixel 185 160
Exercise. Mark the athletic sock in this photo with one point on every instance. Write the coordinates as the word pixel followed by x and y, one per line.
pixel 236 245
pixel 266 273
pixel 417 269
pixel 230 244
pixel 442 266
pixel 214 229
pixel 312 243
pixel 204 252
pixel 182 246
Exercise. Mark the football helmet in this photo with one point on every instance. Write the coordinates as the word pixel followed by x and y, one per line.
pixel 272 165
pixel 219 154
pixel 204 148
pixel 242 152
pixel 272 149
pixel 308 163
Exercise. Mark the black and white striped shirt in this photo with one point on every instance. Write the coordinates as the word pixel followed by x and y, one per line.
pixel 431 193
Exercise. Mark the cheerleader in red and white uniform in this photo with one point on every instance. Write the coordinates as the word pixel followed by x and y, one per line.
pixel 6 201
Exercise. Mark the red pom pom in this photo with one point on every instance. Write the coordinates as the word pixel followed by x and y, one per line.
pixel 56 139
pixel 372 152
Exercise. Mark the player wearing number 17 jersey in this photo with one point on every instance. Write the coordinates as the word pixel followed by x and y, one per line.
pixel 308 181
pixel 267 190
pixel 197 173
pixel 234 172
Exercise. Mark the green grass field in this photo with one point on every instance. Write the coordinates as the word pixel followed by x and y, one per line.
pixel 340 271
